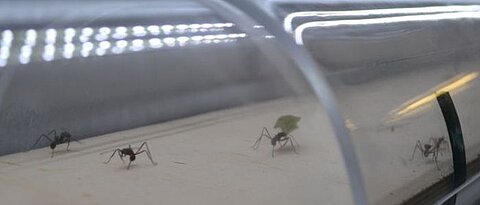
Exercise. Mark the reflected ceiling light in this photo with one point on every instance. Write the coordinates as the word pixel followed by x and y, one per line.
pixel 169 41
pixel 197 38
pixel 70 32
pixel 194 26
pixel 7 38
pixel 451 85
pixel 87 31
pixel 288 20
pixel 104 45
pixel 139 31
pixel 87 46
pixel 49 52
pixel 3 62
pixel 206 25
pixel 167 29
pixel 155 43
pixel 154 29
pixel 68 50
pixel 182 27
pixel 104 30
pixel 121 43
pixel 4 52
pixel 50 36
pixel 101 37
pixel 387 20
pixel 137 45
pixel 31 37
pixel 100 51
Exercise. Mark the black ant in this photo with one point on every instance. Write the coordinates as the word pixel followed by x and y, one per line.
pixel 278 138
pixel 433 147
pixel 129 152
pixel 64 137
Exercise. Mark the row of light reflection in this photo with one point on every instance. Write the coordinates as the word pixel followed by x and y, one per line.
pixel 116 41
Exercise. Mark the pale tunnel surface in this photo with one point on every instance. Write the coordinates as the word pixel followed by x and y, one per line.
pixel 204 159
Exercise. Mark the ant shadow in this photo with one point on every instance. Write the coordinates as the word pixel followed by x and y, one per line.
pixel 288 149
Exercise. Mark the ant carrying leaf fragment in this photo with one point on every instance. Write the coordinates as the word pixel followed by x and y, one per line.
pixel 286 124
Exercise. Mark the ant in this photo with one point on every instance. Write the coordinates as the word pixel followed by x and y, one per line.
pixel 433 147
pixel 129 151
pixel 64 137
pixel 278 138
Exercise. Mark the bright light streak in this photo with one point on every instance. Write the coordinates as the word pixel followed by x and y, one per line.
pixel 451 85
pixel 387 20
pixel 287 22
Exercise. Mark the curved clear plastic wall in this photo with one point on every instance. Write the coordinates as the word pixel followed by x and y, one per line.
pixel 406 78
pixel 199 84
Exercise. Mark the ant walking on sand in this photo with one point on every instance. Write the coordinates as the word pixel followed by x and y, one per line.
pixel 64 137
pixel 431 148
pixel 286 124
pixel 132 155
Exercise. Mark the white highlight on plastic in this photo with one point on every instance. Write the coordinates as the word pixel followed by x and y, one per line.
pixel 104 45
pixel 3 62
pixel 287 22
pixel 4 52
pixel 31 37
pixel 69 33
pixel 155 43
pixel 104 30
pixel 169 41
pixel 87 31
pixel 167 29
pixel 298 34
pixel 119 46
pixel 100 51
pixel 68 50
pixel 7 38
pixel 50 36
pixel 120 32
pixel 154 29
pixel 49 52
pixel 137 45
pixel 139 31
pixel 86 48
pixel 182 40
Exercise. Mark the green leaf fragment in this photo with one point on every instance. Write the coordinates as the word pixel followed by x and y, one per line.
pixel 287 123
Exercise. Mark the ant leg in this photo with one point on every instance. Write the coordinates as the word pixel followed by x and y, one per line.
pixel 129 163
pixel 283 145
pixel 38 140
pixel 294 140
pixel 54 132
pixel 115 151
pixel 435 158
pixel 419 146
pixel 264 133
pixel 68 143
pixel 273 151
pixel 149 154
pixel 291 142
pixel 75 139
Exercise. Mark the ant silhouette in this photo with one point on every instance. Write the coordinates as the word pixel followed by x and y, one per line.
pixel 432 147
pixel 278 138
pixel 64 137
pixel 129 152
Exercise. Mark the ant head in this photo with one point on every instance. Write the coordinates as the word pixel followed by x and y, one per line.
pixel 53 145
pixel 427 146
